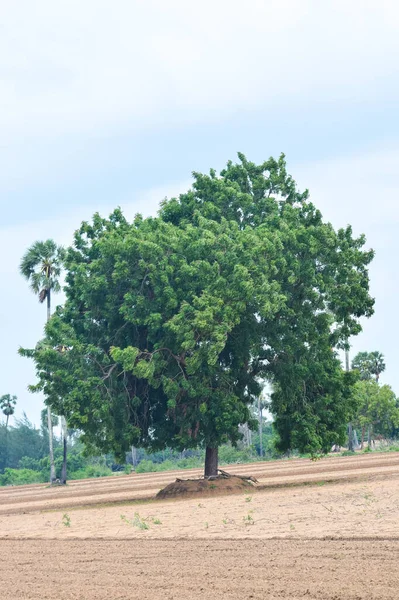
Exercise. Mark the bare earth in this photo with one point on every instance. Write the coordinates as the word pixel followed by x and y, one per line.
pixel 328 529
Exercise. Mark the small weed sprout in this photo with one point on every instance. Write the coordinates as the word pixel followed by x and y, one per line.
pixel 137 521
pixel 66 520
pixel 248 520
pixel 248 499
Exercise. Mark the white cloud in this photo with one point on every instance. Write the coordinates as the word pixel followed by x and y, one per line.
pixel 80 66
pixel 72 72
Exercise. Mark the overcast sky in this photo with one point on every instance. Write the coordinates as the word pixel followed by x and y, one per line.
pixel 115 103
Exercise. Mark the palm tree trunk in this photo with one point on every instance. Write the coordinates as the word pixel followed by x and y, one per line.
pixel 134 457
pixel 6 448
pixel 48 305
pixel 260 428
pixel 64 461
pixel 351 447
pixel 53 476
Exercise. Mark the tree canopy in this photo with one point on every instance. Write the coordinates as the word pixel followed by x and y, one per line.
pixel 172 323
pixel 377 407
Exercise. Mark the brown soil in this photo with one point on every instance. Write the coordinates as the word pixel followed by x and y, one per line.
pixel 324 530
pixel 201 569
pixel 192 488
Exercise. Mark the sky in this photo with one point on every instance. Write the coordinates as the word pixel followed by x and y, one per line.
pixel 106 104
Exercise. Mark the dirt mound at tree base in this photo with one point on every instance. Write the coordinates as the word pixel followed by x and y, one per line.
pixel 188 488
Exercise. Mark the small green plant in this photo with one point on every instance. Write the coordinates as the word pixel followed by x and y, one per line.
pixel 127 469
pixel 137 521
pixel 66 520
pixel 369 497
pixel 200 505
pixel 156 521
pixel 206 525
pixel 248 499
pixel 248 519
pixel 292 527
pixel 212 486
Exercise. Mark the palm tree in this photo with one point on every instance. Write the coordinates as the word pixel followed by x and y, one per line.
pixel 7 405
pixel 377 364
pixel 369 364
pixel 41 266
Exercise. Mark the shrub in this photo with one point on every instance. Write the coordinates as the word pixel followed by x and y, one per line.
pixel 91 471
pixel 21 477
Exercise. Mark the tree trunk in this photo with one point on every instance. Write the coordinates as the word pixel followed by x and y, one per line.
pixel 53 475
pixel 355 440
pixel 351 447
pixel 64 460
pixel 134 456
pixel 48 305
pixel 51 447
pixel 363 432
pixel 6 448
pixel 347 368
pixel 369 436
pixel 211 462
pixel 260 428
pixel 249 438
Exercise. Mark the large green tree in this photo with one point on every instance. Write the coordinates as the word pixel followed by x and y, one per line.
pixel 172 324
pixel 41 266
pixel 377 408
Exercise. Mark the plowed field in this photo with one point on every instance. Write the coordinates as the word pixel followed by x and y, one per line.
pixel 328 529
